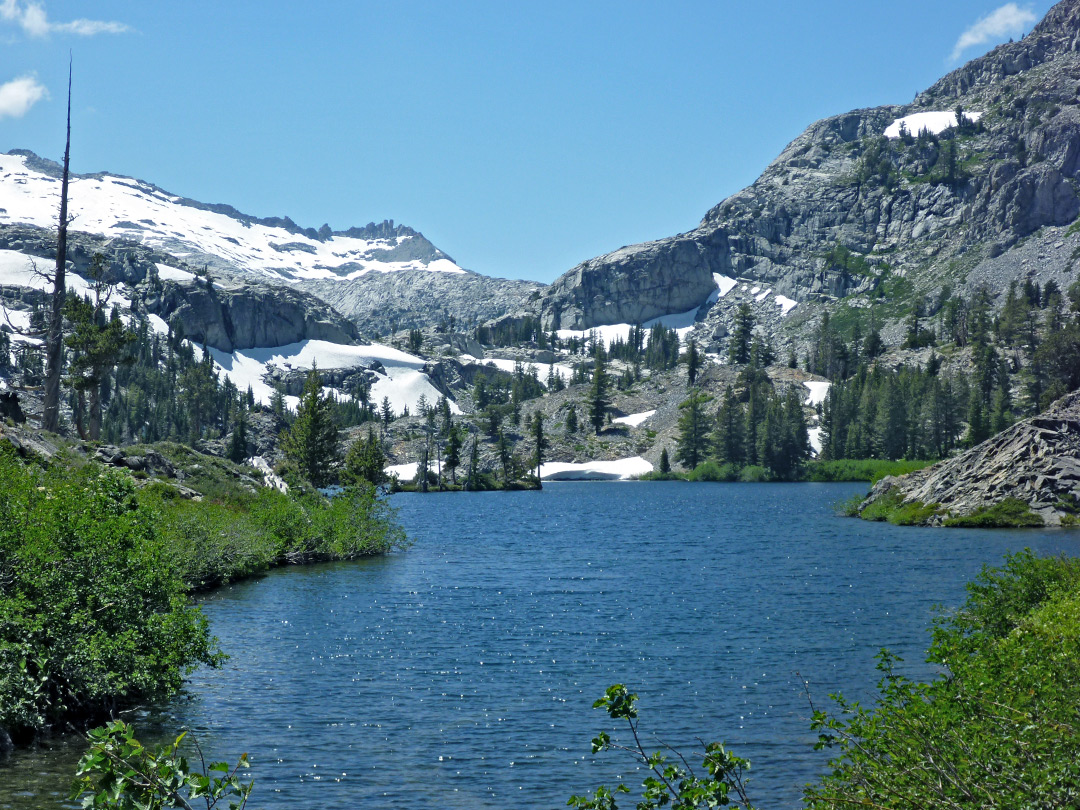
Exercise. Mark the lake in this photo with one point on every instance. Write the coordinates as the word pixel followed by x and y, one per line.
pixel 461 674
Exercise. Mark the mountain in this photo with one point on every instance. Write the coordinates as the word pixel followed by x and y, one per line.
pixel 350 268
pixel 855 209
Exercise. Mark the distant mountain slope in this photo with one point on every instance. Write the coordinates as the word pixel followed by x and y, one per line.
pixel 218 235
pixel 845 210
pixel 350 268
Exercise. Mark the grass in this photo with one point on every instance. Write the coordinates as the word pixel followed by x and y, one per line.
pixel 1007 514
pixel 891 507
pixel 861 469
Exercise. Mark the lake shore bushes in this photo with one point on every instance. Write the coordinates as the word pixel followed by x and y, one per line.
pixel 835 471
pixel 96 573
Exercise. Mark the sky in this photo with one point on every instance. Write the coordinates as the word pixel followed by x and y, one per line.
pixel 521 138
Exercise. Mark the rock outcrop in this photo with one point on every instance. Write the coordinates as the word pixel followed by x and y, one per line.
pixel 1036 461
pixel 246 316
pixel 891 204
pixel 381 302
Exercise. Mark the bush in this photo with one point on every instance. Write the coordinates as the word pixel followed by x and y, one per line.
pixel 998 729
pixel 862 469
pixel 711 471
pixel 753 474
pixel 1009 513
pixel 92 617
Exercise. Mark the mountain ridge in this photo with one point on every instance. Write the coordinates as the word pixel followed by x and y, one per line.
pixel 842 183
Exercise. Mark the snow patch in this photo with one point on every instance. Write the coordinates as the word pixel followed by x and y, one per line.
pixel 634 419
pixel 121 207
pixel 762 296
pixel 815 440
pixel 681 322
pixel 818 391
pixel 407 472
pixel 619 470
pixel 166 273
pixel 785 304
pixel 935 122
pixel 403 382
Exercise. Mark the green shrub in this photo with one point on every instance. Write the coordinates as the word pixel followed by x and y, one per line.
pixel 753 474
pixel 1009 513
pixel 711 471
pixel 997 729
pixel 92 617
pixel 862 469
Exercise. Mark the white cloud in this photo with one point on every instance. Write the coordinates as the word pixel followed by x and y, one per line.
pixel 19 95
pixel 1008 20
pixel 32 18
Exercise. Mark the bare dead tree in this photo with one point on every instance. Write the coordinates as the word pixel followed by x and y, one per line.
pixel 54 358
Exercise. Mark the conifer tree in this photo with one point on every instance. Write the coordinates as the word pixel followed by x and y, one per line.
pixel 472 480
pixel 571 421
pixel 237 451
pixel 693 363
pixel 312 441
pixel 96 342
pixel 739 348
pixel 540 440
pixel 598 391
pixel 693 429
pixel 453 452
pixel 729 436
pixel 365 462
pixel 665 462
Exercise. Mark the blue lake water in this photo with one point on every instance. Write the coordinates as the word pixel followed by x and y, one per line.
pixel 462 672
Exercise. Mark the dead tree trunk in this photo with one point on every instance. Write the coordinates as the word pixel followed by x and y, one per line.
pixel 54 358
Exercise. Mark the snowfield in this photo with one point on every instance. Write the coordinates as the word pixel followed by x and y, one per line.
pixel 634 419
pixel 508 365
pixel 619 470
pixel 403 382
pixel 122 207
pixel 819 389
pixel 936 122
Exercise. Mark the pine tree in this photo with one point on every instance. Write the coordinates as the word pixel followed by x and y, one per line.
pixel 96 343
pixel 472 480
pixel 571 421
pixel 739 348
pixel 693 429
pixel 365 462
pixel 665 462
pixel 598 403
pixel 237 451
pixel 312 441
pixel 693 363
pixel 729 437
pixel 540 440
pixel 387 413
pixel 453 452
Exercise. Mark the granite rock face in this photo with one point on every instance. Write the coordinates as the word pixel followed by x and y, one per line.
pixel 224 315
pixel 1036 461
pixel 246 316
pixel 381 302
pixel 1018 180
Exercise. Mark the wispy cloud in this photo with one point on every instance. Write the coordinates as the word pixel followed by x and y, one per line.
pixel 33 19
pixel 1008 20
pixel 19 95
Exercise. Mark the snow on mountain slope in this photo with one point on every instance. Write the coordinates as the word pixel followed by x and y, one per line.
pixel 403 381
pixel 131 209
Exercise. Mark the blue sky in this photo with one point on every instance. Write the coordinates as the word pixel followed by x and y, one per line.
pixel 521 138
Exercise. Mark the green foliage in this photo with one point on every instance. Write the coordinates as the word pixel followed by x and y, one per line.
pixel 712 471
pixel 120 773
pixel 694 428
pixel 862 469
pixel 208 543
pixel 312 441
pixel 1008 513
pixel 365 461
pixel 997 729
pixel 754 474
pixel 92 618
pixel 670 780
